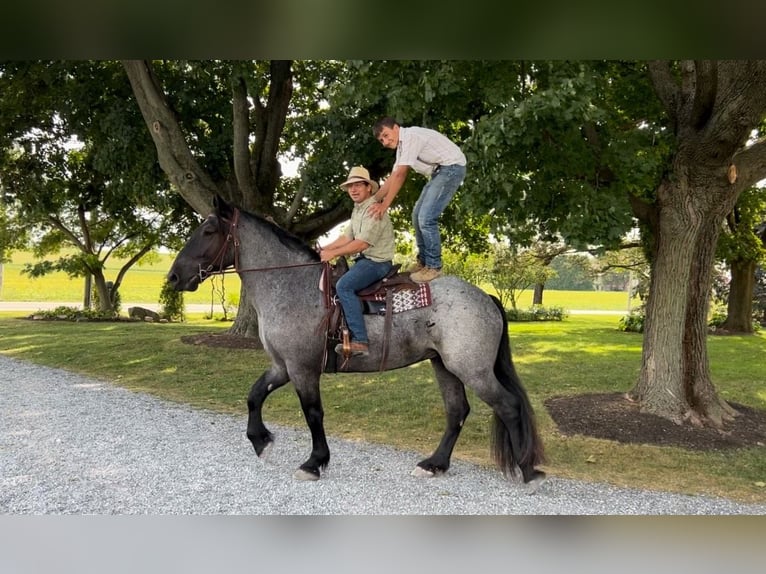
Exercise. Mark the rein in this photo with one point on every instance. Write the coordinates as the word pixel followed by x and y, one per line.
pixel 233 237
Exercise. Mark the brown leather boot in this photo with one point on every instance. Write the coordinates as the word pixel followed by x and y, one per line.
pixel 357 349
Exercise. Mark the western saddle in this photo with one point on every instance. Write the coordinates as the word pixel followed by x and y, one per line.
pixel 334 322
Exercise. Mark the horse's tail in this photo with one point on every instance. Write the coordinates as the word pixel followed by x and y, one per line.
pixel 531 447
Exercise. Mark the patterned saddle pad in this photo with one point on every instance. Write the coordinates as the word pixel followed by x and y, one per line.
pixel 405 299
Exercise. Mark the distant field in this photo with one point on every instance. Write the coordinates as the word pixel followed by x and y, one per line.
pixel 143 282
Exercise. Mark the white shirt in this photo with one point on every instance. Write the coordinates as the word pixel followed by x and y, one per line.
pixel 424 149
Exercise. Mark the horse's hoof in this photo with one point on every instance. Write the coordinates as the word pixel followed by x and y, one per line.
pixel 266 452
pixel 421 472
pixel 301 474
pixel 536 483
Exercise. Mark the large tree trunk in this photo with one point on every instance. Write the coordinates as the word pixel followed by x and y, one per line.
pixel 537 295
pixel 675 380
pixel 739 315
pixel 706 405
pixel 712 109
pixel 246 322
pixel 660 384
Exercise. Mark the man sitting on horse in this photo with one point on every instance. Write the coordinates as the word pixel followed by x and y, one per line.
pixel 371 241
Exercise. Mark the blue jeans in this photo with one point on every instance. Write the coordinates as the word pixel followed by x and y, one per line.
pixel 362 274
pixel 425 216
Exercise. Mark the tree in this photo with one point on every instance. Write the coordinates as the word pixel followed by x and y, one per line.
pixel 219 128
pixel 512 272
pixel 577 150
pixel 594 146
pixel 712 109
pixel 545 252
pixel 573 273
pixel 742 247
pixel 77 167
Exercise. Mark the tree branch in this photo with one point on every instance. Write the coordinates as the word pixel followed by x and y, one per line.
pixel 666 87
pixel 751 163
pixel 322 222
pixel 130 262
pixel 177 161
pixel 705 89
pixel 241 144
pixel 58 224
pixel 296 203
pixel 271 123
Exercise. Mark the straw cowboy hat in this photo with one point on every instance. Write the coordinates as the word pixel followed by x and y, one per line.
pixel 360 173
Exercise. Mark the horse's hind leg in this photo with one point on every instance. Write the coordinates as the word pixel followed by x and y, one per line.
pixel 457 409
pixel 508 436
pixel 307 387
pixel 507 444
pixel 257 432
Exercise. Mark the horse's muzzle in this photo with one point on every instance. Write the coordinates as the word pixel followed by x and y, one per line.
pixel 175 281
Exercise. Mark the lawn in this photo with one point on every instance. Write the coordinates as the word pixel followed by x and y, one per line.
pixel 143 283
pixel 585 353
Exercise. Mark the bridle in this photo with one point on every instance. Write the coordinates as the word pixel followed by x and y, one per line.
pixel 232 238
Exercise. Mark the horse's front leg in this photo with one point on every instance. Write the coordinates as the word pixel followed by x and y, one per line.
pixel 257 432
pixel 307 387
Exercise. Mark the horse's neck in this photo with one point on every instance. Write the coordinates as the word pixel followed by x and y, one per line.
pixel 267 265
pixel 260 247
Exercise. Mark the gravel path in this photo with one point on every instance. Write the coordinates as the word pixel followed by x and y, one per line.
pixel 75 445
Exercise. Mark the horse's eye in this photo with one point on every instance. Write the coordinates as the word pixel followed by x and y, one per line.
pixel 210 227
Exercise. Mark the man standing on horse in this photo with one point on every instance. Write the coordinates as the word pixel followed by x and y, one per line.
pixel 371 241
pixel 435 156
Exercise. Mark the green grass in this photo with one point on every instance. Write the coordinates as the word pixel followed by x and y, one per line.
pixel 582 354
pixel 143 282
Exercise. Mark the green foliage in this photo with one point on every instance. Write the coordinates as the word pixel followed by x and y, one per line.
pixel 573 273
pixel 64 313
pixel 171 303
pixel 473 267
pixel 12 235
pixel 633 322
pixel 512 272
pixel 565 151
pixel 537 313
pixel 738 239
pixel 79 168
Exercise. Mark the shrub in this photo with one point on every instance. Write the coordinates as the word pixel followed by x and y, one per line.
pixel 633 323
pixel 64 313
pixel 537 313
pixel 171 303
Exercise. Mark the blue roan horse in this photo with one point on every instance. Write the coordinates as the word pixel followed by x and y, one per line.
pixel 464 333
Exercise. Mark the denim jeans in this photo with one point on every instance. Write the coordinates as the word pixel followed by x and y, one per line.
pixel 362 274
pixel 425 216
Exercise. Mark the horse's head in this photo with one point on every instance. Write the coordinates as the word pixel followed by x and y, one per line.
pixel 210 249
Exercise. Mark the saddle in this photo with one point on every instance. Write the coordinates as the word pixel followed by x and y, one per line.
pixel 377 299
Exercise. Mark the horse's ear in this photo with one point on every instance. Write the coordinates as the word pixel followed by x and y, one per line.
pixel 221 207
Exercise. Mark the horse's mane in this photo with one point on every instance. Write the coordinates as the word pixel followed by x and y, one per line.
pixel 286 238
